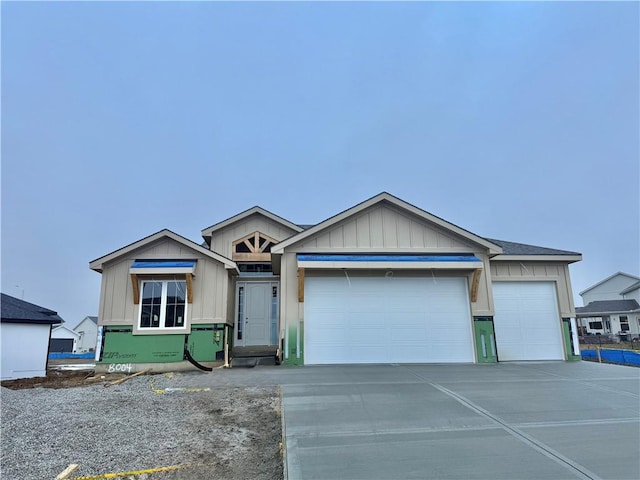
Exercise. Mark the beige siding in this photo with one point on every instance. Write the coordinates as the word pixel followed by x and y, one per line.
pixel 384 228
pixel 533 271
pixel 210 286
pixel 221 240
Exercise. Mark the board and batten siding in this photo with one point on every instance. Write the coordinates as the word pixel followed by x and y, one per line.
pixel 222 240
pixel 383 228
pixel 380 229
pixel 538 271
pixel 210 286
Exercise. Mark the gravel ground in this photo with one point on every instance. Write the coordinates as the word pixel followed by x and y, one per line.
pixel 224 433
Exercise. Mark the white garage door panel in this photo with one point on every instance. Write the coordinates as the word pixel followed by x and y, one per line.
pixel 387 320
pixel 527 321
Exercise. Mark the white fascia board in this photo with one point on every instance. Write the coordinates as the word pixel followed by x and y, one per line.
pixel 537 258
pixel 390 265
pixel 493 249
pixel 98 263
pixel 207 232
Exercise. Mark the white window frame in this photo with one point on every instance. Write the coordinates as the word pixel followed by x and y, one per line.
pixel 163 307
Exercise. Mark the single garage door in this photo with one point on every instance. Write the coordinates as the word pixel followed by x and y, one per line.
pixel 527 323
pixel 394 319
pixel 61 345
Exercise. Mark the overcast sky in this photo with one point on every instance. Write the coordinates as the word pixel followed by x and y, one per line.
pixel 516 121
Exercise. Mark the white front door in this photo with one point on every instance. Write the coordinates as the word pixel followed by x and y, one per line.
pixel 527 322
pixel 254 312
pixel 379 319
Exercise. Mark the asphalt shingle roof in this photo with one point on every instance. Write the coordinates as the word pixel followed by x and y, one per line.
pixel 512 248
pixel 608 306
pixel 15 310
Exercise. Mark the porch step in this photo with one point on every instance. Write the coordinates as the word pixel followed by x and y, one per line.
pixel 249 357
pixel 250 362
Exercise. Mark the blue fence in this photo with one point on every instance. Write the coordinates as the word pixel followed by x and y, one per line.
pixel 56 356
pixel 624 357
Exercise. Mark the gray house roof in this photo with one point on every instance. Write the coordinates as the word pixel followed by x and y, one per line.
pixel 512 248
pixel 607 306
pixel 15 310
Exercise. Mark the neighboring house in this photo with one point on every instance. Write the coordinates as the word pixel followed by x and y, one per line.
pixel 381 282
pixel 25 330
pixel 87 330
pixel 620 317
pixel 611 306
pixel 63 340
pixel 610 288
pixel 632 292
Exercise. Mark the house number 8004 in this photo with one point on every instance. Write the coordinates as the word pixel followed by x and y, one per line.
pixel 119 367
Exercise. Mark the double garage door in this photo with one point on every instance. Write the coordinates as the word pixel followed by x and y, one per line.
pixel 378 319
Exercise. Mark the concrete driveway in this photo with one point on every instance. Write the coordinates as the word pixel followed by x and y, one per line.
pixel 544 420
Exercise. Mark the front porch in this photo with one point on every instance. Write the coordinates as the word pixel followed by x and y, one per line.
pixel 255 355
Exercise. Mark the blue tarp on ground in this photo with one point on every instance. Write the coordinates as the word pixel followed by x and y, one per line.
pixel 56 356
pixel 624 357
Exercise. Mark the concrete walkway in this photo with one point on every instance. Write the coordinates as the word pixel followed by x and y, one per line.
pixel 551 420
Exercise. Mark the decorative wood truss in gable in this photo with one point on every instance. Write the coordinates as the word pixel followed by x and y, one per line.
pixel 255 247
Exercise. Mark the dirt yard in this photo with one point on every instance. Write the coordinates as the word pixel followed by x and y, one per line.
pixel 148 424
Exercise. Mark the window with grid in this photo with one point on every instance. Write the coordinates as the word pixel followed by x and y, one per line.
pixel 163 304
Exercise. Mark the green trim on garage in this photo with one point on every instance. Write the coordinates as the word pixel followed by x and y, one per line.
pixel 485 340
pixel 568 343
pixel 292 346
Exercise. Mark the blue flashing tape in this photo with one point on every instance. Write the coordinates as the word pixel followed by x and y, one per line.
pixel 163 263
pixel 387 258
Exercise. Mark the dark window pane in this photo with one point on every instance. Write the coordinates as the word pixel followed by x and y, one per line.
pixel 242 248
pixel 179 322
pixel 177 292
pixel 145 317
pixel 170 319
pixel 151 292
pixel 155 316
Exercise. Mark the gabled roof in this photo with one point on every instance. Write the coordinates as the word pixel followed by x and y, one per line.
pixel 62 327
pixel 88 317
pixel 380 198
pixel 609 278
pixel 631 288
pixel 98 263
pixel 206 232
pixel 15 310
pixel 608 306
pixel 520 251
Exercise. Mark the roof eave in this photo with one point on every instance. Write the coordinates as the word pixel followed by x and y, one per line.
pixel 607 279
pixel 538 258
pixel 598 314
pixel 97 264
pixel 207 232
pixel 25 320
